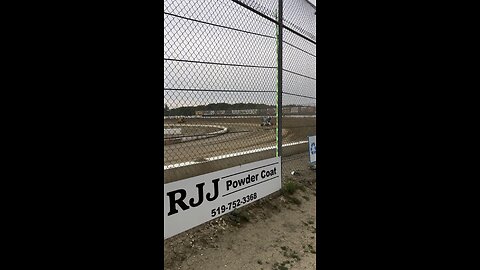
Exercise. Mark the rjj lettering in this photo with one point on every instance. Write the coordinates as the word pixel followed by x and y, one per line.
pixel 183 194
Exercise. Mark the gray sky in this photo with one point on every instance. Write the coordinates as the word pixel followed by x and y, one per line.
pixel 188 40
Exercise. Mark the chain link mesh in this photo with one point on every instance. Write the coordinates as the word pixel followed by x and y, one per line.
pixel 299 66
pixel 220 78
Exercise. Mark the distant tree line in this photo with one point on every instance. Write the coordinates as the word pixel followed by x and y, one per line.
pixel 190 110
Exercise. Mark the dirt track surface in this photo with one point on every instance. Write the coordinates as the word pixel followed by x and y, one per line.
pixel 278 232
pixel 243 134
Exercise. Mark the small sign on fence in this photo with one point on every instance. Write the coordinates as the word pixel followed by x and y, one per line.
pixel 312 148
pixel 196 200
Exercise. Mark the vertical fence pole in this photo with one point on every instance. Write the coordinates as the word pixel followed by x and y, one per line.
pixel 279 77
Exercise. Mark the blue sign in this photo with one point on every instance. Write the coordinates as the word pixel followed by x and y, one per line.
pixel 312 148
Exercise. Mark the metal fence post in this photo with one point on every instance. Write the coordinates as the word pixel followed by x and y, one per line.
pixel 279 77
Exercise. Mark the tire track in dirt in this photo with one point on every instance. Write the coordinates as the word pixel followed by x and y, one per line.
pixel 249 138
pixel 243 135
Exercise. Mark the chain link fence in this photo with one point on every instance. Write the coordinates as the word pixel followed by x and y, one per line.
pixel 221 81
pixel 299 74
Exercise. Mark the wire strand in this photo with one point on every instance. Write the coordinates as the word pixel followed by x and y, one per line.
pixel 219 90
pixel 218 25
pixel 292 94
pixel 215 63
pixel 299 74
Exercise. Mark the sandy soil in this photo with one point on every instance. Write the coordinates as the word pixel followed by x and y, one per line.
pixel 278 232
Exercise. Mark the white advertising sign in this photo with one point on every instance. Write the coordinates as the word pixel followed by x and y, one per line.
pixel 312 148
pixel 196 200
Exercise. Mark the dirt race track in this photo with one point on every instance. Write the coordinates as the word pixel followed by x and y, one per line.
pixel 243 134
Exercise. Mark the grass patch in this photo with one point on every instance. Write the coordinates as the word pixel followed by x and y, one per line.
pixel 290 187
pixel 295 256
pixel 280 266
pixel 289 253
pixel 239 216
pixel 310 249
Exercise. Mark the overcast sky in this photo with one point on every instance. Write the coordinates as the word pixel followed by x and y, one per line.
pixel 193 41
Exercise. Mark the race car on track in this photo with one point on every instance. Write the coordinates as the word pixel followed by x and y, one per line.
pixel 266 121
